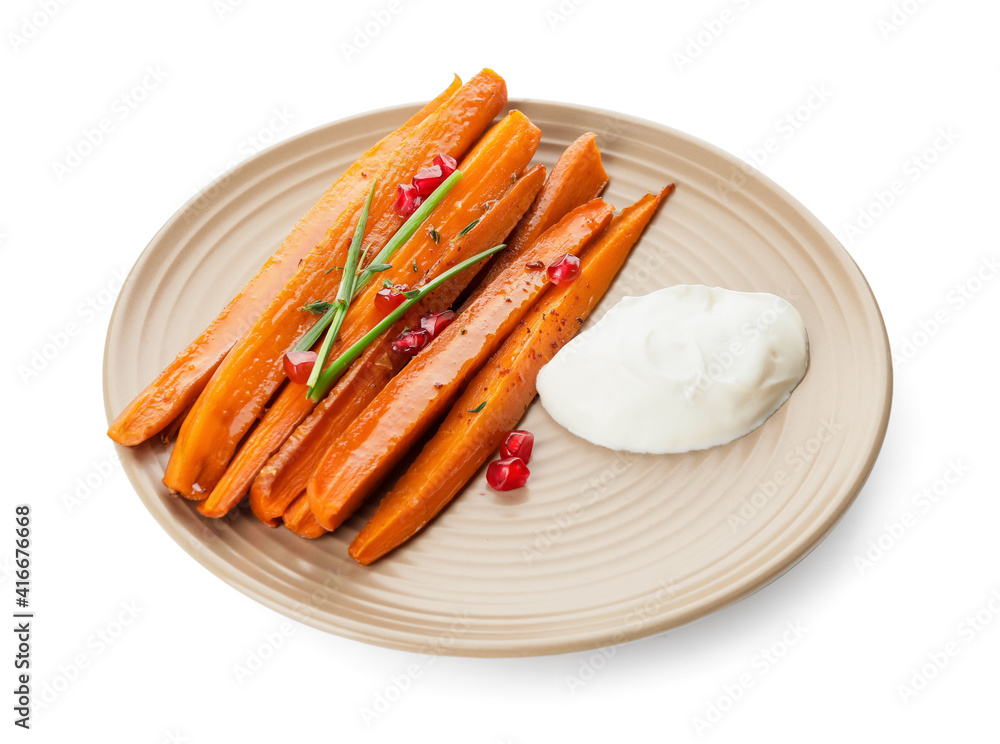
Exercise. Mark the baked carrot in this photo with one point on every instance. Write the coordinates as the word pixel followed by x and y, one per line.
pixel 465 440
pixel 287 471
pixel 177 386
pixel 577 177
pixel 375 441
pixel 488 170
pixel 249 375
pixel 299 518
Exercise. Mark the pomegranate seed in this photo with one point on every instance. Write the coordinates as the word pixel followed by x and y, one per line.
pixel 299 365
pixel 566 269
pixel 411 342
pixel 507 474
pixel 534 266
pixel 388 299
pixel 434 323
pixel 518 444
pixel 427 180
pixel 406 199
pixel 447 163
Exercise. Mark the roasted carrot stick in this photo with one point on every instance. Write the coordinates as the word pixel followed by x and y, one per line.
pixel 414 399
pixel 252 371
pixel 299 518
pixel 177 386
pixel 465 440
pixel 577 177
pixel 287 472
pixel 500 156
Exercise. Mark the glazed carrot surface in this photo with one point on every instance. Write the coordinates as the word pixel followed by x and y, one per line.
pixel 177 386
pixel 577 177
pixel 488 171
pixel 249 375
pixel 286 473
pixel 415 398
pixel 299 518
pixel 465 439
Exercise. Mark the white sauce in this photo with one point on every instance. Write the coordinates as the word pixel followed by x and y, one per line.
pixel 683 368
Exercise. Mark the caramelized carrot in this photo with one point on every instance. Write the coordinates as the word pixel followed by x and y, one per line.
pixel 249 375
pixel 287 472
pixel 465 440
pixel 578 177
pixel 413 400
pixel 299 518
pixel 177 386
pixel 488 171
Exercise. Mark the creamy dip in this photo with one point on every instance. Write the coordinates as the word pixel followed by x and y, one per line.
pixel 683 368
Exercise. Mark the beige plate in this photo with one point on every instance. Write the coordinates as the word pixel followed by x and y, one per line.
pixel 601 547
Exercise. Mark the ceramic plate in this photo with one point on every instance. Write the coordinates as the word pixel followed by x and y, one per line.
pixel 601 547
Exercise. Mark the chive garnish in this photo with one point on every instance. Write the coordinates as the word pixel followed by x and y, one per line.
pixel 346 291
pixel 469 227
pixel 478 408
pixel 404 233
pixel 332 373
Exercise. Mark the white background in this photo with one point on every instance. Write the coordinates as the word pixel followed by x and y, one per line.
pixel 901 82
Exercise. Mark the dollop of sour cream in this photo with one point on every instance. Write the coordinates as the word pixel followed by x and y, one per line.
pixel 683 368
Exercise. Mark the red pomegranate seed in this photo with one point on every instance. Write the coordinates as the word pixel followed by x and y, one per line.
pixel 427 180
pixel 411 342
pixel 507 474
pixel 566 269
pixel 299 365
pixel 518 444
pixel 406 199
pixel 388 299
pixel 447 163
pixel 434 323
